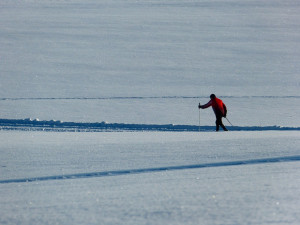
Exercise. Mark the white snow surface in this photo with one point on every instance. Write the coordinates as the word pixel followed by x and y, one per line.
pixel 76 48
pixel 121 178
pixel 88 87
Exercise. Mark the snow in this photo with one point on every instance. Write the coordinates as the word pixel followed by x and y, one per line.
pixel 105 186
pixel 149 48
pixel 243 111
pixel 92 92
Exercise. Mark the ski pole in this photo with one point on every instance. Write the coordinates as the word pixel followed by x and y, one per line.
pixel 199 116
pixel 228 121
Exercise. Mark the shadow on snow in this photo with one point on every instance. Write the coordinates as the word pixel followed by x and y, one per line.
pixel 52 125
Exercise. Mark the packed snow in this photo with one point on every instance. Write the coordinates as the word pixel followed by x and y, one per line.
pixel 150 177
pixel 99 121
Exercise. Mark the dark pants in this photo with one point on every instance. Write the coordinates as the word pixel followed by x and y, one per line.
pixel 220 123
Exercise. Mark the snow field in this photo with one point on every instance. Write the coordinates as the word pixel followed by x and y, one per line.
pixel 149 48
pixel 149 62
pixel 231 194
pixel 55 153
pixel 183 110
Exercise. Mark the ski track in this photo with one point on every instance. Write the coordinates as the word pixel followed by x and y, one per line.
pixel 52 125
pixel 153 170
pixel 140 97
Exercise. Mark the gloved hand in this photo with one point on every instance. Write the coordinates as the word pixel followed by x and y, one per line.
pixel 199 106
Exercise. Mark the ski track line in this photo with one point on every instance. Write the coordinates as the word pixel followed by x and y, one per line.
pixel 154 170
pixel 59 126
pixel 139 97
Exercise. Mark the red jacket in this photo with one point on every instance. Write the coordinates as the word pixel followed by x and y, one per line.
pixel 218 106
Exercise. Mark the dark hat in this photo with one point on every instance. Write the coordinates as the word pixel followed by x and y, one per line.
pixel 212 96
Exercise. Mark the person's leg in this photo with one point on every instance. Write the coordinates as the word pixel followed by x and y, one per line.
pixel 217 124
pixel 220 123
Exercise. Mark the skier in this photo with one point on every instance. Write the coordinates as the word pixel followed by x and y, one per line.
pixel 219 108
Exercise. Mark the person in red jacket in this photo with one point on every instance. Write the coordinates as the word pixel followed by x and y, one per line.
pixel 219 108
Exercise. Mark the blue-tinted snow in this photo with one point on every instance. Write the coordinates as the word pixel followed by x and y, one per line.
pixel 145 65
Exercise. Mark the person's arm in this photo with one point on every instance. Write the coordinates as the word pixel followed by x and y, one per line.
pixel 205 106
